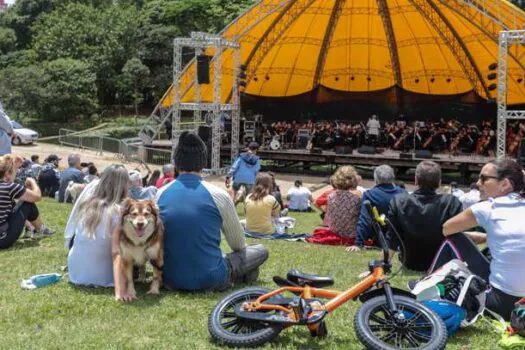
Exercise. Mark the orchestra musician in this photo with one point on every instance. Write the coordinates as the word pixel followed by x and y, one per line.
pixel 438 136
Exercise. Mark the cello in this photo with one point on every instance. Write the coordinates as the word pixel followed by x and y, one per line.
pixel 515 143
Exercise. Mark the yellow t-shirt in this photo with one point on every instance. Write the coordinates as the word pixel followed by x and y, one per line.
pixel 259 214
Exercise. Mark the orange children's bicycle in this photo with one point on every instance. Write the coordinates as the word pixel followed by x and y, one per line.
pixel 389 318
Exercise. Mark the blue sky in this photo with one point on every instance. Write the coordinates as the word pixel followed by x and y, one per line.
pixel 10 1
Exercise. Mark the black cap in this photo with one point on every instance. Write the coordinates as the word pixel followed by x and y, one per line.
pixel 52 158
pixel 253 146
pixel 26 163
pixel 191 153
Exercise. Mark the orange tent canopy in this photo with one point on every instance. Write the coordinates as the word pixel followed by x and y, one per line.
pixel 433 47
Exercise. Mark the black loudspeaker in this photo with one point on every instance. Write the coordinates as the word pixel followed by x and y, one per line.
pixel 205 133
pixel 203 69
pixel 366 150
pixel 424 154
pixel 341 149
pixel 405 155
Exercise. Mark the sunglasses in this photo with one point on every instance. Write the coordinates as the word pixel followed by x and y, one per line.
pixel 483 178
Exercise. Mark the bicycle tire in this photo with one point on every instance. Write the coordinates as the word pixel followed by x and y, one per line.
pixel 259 332
pixel 436 330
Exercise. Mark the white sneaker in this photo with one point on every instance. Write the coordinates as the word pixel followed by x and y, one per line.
pixel 43 232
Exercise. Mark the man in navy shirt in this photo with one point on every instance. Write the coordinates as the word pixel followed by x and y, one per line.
pixel 379 196
pixel 72 173
pixel 194 213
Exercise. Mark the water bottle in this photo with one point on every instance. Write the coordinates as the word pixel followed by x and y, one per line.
pixel 38 281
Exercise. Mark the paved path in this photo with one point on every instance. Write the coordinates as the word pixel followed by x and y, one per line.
pixel 101 161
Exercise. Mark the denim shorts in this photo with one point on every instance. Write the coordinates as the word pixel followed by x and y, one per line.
pixel 236 186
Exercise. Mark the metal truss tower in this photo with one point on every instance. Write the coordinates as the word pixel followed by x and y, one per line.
pixel 506 38
pixel 211 44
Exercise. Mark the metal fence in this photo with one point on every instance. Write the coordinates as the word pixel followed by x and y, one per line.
pixel 123 150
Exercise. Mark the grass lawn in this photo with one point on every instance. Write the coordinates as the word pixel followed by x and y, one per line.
pixel 66 317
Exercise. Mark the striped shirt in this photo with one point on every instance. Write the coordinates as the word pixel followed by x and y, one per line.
pixel 8 193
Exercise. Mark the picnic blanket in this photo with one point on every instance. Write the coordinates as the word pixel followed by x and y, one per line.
pixel 323 235
pixel 294 237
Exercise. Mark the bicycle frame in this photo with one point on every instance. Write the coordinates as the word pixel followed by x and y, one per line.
pixel 337 298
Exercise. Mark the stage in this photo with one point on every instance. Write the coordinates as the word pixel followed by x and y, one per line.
pixel 465 164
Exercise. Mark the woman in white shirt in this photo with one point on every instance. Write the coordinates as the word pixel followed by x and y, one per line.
pixel 93 224
pixel 299 197
pixel 501 181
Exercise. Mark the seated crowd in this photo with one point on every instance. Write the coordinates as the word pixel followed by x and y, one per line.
pixel 431 226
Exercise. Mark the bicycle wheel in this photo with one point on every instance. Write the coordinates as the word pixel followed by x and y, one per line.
pixel 227 329
pixel 414 326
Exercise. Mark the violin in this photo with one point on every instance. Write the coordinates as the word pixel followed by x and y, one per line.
pixel 428 141
pixel 514 143
pixel 454 144
pixel 481 144
pixel 400 141
pixel 513 148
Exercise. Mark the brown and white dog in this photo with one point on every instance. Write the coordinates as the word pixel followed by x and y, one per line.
pixel 142 240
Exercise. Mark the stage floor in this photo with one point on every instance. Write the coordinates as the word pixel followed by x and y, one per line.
pixel 464 163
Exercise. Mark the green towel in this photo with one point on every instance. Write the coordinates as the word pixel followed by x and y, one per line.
pixel 507 341
pixel 514 342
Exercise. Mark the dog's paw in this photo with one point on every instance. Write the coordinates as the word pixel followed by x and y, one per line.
pixel 125 298
pixel 153 290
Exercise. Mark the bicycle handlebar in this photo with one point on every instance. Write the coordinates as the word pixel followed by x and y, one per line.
pixel 378 220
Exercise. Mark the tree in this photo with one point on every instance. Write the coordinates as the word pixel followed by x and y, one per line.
pixel 71 89
pixel 22 89
pixel 22 15
pixel 18 58
pixel 105 38
pixel 134 76
pixel 7 40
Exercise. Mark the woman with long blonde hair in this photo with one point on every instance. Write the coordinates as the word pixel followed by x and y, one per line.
pixel 13 215
pixel 92 224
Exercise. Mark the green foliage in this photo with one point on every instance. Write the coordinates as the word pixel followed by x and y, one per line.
pixel 134 78
pixel 22 89
pixel 7 40
pixel 70 87
pixel 22 15
pixel 107 37
pixel 20 58
pixel 58 89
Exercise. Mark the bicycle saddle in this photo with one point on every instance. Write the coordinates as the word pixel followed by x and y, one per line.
pixel 302 279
